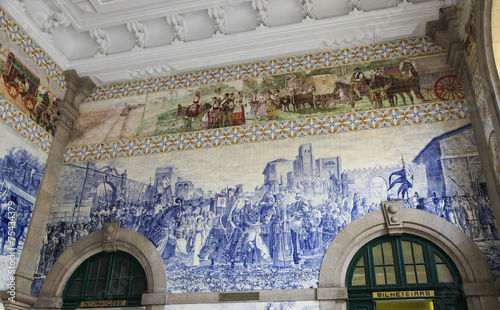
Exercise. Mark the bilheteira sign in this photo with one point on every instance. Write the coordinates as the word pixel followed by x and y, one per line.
pixel 403 294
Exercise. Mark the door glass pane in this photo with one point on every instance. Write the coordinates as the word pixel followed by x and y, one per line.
pixel 421 274
pixel 139 286
pixel 388 253
pixel 418 253
pixel 114 287
pixel 379 275
pixel 126 268
pixel 358 278
pixel 122 290
pixel 410 274
pixel 91 288
pixel 103 269
pixel 407 252
pixel 377 255
pixel 75 288
pixel 361 262
pixel 444 274
pixel 99 288
pixel 391 275
pixel 94 267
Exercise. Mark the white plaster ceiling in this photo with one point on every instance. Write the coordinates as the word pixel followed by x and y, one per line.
pixel 120 40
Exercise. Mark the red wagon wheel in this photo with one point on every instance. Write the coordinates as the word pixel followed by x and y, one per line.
pixel 29 102
pixel 447 88
pixel 428 94
pixel 12 88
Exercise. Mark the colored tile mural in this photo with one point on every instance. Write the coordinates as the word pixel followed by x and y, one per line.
pixel 21 169
pixel 229 97
pixel 332 124
pixel 284 305
pixel 27 81
pixel 29 49
pixel 261 216
pixel 24 126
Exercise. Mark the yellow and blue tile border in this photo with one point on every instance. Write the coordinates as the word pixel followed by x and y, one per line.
pixel 18 121
pixel 387 50
pixel 34 52
pixel 332 124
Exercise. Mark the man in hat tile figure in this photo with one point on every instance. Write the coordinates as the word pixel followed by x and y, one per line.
pixel 357 80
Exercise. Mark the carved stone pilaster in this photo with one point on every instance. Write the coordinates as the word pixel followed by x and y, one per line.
pixel 77 90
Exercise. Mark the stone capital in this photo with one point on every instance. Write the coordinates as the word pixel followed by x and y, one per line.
pixel 77 89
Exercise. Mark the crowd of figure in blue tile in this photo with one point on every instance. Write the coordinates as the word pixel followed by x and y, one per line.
pixel 20 175
pixel 273 228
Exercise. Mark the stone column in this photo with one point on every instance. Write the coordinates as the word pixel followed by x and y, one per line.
pixel 77 90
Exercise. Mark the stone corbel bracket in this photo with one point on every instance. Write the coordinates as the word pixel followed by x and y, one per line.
pixel 109 232
pixel 393 216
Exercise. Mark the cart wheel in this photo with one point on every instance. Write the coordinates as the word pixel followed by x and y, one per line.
pixel 12 87
pixel 447 88
pixel 29 102
pixel 429 94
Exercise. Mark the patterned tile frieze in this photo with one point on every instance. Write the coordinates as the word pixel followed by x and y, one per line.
pixel 18 121
pixel 407 47
pixel 332 124
pixel 17 35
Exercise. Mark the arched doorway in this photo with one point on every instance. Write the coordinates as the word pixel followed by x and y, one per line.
pixel 106 279
pixel 110 240
pixel 479 290
pixel 403 272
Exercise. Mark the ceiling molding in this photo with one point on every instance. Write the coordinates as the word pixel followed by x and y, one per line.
pixel 106 64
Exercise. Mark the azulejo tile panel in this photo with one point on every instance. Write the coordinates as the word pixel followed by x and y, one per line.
pixel 332 124
pixel 24 125
pixel 482 105
pixel 15 33
pixel 386 50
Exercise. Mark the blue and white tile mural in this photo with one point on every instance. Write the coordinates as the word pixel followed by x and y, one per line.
pixel 284 305
pixel 261 216
pixel 21 169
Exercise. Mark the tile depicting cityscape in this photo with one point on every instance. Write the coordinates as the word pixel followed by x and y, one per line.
pixel 261 216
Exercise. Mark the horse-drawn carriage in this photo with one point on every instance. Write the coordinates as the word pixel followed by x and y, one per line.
pixel 20 81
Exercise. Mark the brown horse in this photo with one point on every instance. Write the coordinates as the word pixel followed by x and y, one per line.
pixel 348 90
pixel 396 84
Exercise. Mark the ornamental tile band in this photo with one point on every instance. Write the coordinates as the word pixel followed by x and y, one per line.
pixel 24 126
pixel 15 33
pixel 386 50
pixel 332 124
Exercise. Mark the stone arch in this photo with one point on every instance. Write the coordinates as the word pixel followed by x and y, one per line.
pixel 109 239
pixel 479 288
